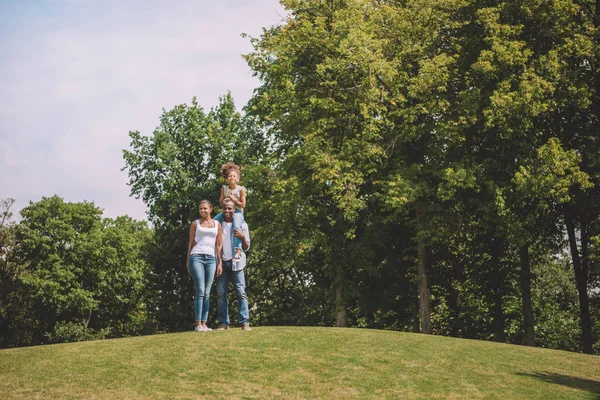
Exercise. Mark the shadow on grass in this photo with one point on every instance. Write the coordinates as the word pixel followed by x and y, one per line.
pixel 566 380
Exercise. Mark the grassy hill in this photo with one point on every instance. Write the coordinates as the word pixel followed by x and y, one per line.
pixel 294 362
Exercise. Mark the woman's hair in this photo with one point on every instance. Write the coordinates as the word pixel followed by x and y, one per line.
pixel 205 201
pixel 225 168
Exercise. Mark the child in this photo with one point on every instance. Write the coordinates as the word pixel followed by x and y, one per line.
pixel 237 193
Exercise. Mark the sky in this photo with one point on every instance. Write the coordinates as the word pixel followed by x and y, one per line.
pixel 77 75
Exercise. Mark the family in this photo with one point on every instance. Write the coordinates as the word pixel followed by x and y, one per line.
pixel 217 248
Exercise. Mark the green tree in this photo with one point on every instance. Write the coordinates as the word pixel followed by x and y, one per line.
pixel 82 277
pixel 350 92
pixel 172 170
pixel 508 91
pixel 410 165
pixel 550 51
pixel 123 288
pixel 13 321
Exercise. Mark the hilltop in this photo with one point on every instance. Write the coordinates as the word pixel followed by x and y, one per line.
pixel 296 362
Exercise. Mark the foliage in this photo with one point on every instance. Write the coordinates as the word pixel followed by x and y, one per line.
pixel 425 165
pixel 172 170
pixel 65 332
pixel 82 276
pixel 448 117
pixel 410 165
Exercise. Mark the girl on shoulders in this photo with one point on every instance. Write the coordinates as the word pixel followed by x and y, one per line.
pixel 237 193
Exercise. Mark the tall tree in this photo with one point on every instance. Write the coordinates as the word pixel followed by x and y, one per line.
pixel 351 92
pixel 320 103
pixel 172 170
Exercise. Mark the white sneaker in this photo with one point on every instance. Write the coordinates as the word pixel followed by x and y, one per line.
pixel 246 327
pixel 198 328
pixel 206 328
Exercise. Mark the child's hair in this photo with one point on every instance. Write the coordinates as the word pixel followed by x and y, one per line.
pixel 225 168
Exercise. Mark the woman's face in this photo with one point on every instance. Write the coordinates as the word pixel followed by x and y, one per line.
pixel 232 178
pixel 205 210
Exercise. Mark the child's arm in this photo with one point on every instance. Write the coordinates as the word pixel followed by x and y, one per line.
pixel 242 202
pixel 222 197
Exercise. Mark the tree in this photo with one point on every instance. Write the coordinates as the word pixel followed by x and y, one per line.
pixel 172 170
pixel 82 277
pixel 13 321
pixel 410 165
pixel 341 95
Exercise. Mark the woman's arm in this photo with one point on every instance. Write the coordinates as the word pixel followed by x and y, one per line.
pixel 190 244
pixel 219 246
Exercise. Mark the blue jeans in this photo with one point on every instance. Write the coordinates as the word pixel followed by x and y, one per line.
pixel 202 268
pixel 238 219
pixel 239 284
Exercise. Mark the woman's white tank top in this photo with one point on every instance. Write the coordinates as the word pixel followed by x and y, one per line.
pixel 205 239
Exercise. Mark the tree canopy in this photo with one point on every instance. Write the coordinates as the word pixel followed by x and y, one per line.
pixel 421 165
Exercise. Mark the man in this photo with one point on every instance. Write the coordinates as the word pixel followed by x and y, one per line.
pixel 233 270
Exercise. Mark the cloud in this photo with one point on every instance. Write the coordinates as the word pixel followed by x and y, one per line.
pixel 79 75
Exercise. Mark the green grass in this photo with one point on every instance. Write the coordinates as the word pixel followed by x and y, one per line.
pixel 296 363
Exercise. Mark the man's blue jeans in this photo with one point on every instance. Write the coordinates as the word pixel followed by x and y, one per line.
pixel 239 285
pixel 202 268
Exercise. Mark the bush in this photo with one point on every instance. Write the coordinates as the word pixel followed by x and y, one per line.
pixel 65 332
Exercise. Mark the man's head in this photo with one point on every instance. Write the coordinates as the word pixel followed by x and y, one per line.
pixel 228 210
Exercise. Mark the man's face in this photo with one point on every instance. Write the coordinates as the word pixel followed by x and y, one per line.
pixel 228 211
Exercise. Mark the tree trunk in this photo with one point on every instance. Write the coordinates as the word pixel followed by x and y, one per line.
pixel 580 268
pixel 87 322
pixel 424 312
pixel 499 325
pixel 457 326
pixel 528 321
pixel 497 279
pixel 340 309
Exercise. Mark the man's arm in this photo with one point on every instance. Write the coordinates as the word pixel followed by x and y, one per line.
pixel 244 234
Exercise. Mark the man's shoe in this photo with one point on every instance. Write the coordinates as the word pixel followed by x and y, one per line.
pixel 246 327
pixel 223 327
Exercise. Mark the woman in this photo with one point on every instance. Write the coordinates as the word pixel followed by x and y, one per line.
pixel 203 256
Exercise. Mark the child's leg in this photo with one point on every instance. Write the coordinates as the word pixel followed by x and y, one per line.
pixel 218 217
pixel 238 219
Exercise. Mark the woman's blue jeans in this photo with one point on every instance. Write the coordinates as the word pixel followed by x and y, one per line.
pixel 202 268
pixel 238 220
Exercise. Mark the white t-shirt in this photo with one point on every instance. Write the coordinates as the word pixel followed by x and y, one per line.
pixel 227 245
